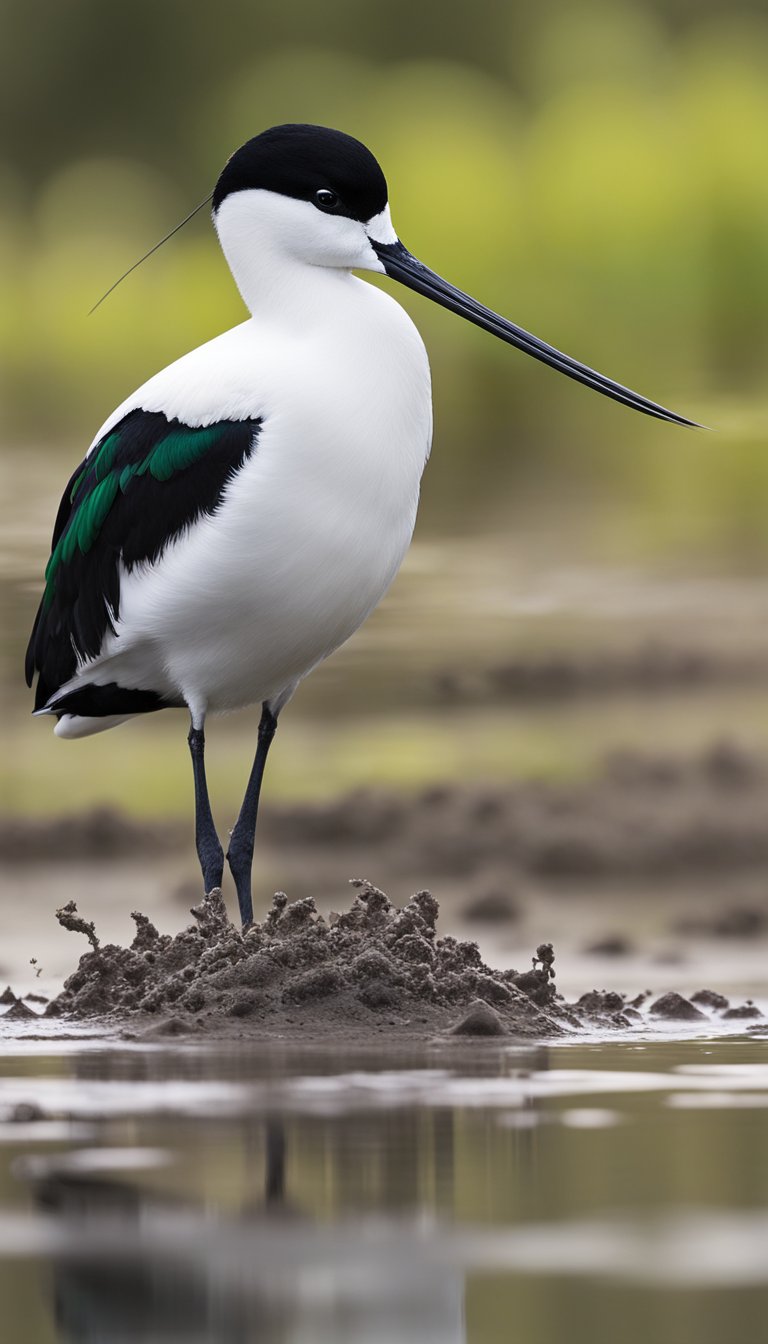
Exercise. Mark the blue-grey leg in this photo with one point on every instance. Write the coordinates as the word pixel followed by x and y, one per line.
pixel 209 850
pixel 240 852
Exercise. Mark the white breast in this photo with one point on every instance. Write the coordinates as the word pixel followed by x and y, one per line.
pixel 314 527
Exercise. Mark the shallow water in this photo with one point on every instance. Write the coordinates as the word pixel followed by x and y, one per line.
pixel 480 1193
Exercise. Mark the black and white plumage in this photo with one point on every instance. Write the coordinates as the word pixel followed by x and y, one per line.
pixel 238 517
pixel 142 486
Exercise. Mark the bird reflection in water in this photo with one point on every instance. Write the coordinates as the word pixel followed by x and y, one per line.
pixel 141 1268
pixel 137 1267
pixel 350 1224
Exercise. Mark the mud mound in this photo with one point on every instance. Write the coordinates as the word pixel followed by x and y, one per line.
pixel 373 964
pixel 375 968
pixel 101 833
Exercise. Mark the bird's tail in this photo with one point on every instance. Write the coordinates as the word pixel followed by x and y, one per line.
pixel 78 725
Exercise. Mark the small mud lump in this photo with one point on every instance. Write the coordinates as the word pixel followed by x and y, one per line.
pixel 479 1020
pixel 709 998
pixel 744 1012
pixel 676 1009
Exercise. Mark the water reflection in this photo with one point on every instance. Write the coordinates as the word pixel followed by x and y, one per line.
pixel 138 1267
pixel 285 1218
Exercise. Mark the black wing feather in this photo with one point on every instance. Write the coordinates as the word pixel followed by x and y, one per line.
pixel 142 484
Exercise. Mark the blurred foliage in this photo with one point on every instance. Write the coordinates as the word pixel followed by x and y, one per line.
pixel 596 171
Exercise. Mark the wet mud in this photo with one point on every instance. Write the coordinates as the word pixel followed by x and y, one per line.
pixel 652 667
pixel 373 968
pixel 100 833
pixel 641 817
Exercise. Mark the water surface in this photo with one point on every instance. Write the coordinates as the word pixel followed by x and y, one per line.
pixel 481 1193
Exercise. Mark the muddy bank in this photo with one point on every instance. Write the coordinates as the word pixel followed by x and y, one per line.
pixel 372 969
pixel 100 833
pixel 647 669
pixel 642 816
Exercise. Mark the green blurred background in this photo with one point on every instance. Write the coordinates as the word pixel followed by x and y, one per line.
pixel 596 171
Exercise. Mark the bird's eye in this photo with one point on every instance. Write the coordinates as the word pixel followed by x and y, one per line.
pixel 325 199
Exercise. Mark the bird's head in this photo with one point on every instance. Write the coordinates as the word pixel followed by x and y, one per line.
pixel 313 194
pixel 307 194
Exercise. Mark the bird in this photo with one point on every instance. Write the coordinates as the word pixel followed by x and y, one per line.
pixel 237 518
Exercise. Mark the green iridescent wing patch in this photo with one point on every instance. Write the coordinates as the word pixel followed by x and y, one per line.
pixel 97 485
pixel 148 480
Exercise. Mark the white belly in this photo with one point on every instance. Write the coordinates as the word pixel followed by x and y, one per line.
pixel 308 537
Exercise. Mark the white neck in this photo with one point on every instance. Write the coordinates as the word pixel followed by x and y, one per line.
pixel 287 259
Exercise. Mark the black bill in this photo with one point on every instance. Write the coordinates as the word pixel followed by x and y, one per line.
pixel 401 265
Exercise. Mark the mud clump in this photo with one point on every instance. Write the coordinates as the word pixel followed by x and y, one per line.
pixel 745 1011
pixel 709 998
pixel 373 966
pixel 676 1009
pixel 19 1012
pixel 69 919
pixel 606 1008
pixel 479 1020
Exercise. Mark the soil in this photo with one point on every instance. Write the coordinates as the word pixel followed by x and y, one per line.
pixel 709 998
pixel 649 668
pixel 101 833
pixel 676 1009
pixel 375 968
pixel 640 818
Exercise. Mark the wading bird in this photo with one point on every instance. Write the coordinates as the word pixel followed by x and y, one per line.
pixel 239 516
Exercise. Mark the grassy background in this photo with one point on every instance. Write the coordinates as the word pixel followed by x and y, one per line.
pixel 596 171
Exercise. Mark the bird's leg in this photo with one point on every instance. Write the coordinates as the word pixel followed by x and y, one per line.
pixel 240 852
pixel 209 850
